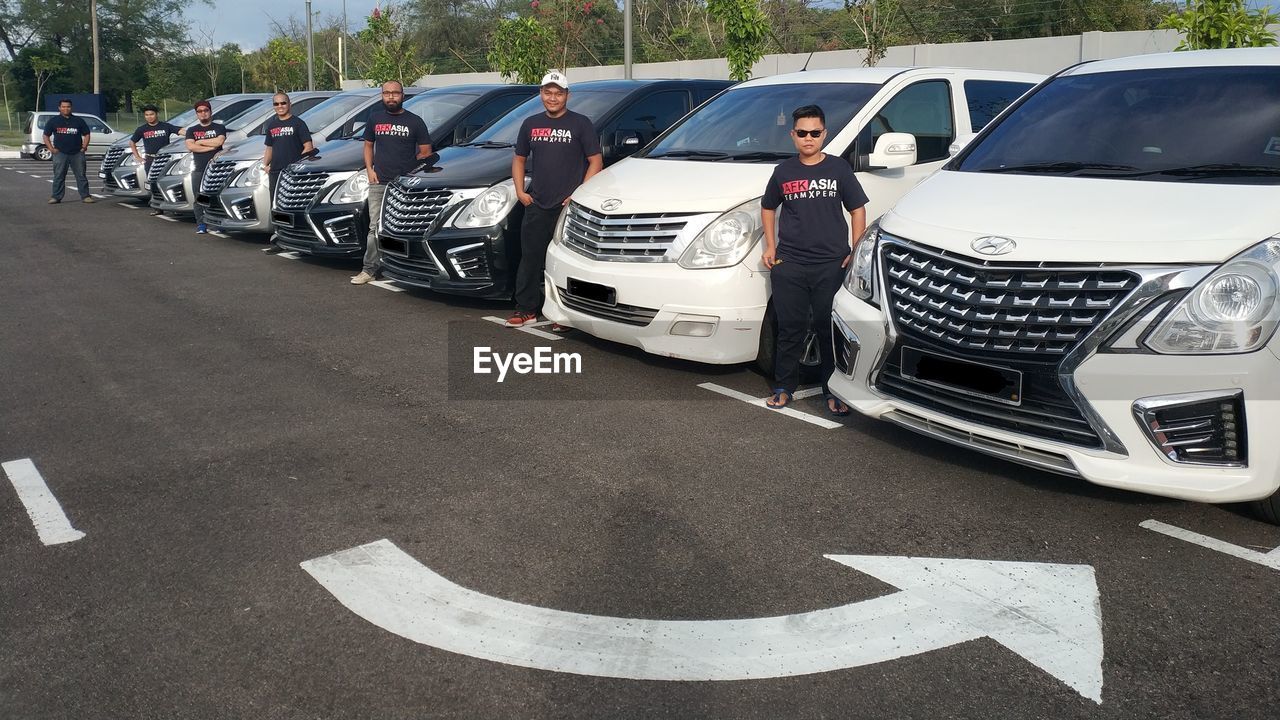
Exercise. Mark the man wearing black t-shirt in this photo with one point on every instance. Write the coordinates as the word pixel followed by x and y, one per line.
pixel 154 136
pixel 287 139
pixel 807 260
pixel 204 140
pixel 395 141
pixel 67 138
pixel 566 153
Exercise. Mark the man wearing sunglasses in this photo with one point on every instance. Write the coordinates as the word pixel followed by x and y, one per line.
pixel 287 139
pixel 204 140
pixel 808 256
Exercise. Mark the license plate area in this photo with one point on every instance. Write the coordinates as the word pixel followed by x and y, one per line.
pixel 990 382
pixel 393 246
pixel 594 292
pixel 283 219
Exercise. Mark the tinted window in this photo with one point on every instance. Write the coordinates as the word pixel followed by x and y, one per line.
pixel 1161 124
pixel 758 119
pixel 647 118
pixel 330 111
pixel 439 108
pixel 988 98
pixel 96 125
pixel 924 110
pixel 182 120
pixel 255 114
pixel 489 111
pixel 230 112
pixel 592 103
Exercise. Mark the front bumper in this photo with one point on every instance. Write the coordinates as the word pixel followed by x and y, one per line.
pixel 475 262
pixel 129 181
pixel 1110 384
pixel 173 193
pixel 337 231
pixel 239 209
pixel 726 305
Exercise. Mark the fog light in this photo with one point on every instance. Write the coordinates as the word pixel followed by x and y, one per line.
pixel 1206 428
pixel 694 325
pixel 846 345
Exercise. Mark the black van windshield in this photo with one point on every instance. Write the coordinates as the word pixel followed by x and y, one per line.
pixel 754 123
pixel 595 104
pixel 1167 124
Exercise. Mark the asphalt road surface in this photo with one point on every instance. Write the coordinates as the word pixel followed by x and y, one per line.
pixel 212 418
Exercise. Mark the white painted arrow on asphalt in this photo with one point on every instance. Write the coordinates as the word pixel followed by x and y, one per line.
pixel 1048 614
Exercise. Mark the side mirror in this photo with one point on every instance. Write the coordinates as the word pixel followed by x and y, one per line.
pixel 893 150
pixel 463 133
pixel 625 142
pixel 959 143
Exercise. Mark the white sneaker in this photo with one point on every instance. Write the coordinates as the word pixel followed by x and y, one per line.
pixel 362 278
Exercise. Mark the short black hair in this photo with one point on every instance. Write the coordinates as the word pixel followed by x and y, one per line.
pixel 65 100
pixel 809 111
pixel 150 108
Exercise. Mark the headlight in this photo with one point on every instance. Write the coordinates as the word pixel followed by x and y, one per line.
pixel 1233 310
pixel 355 189
pixel 727 240
pixel 186 163
pixel 558 236
pixel 489 207
pixel 251 176
pixel 861 280
pixel 128 160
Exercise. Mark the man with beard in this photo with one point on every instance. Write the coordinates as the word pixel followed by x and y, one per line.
pixel 204 140
pixel 395 141
pixel 67 138
pixel 154 136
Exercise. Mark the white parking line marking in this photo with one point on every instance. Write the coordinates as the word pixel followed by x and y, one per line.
pixel 386 285
pixel 127 206
pixel 219 234
pixel 531 328
pixel 100 197
pixel 51 522
pixel 788 411
pixel 289 255
pixel 1268 559
pixel 167 218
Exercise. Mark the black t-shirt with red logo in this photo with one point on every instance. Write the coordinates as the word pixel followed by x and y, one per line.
pixel 66 133
pixel 815 199
pixel 205 132
pixel 395 141
pixel 155 137
pixel 286 139
pixel 560 147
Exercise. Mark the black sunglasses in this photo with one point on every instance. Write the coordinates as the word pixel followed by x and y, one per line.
pixel 809 133
pixel 280 104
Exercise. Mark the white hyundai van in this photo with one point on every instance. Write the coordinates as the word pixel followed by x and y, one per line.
pixel 662 250
pixel 1092 285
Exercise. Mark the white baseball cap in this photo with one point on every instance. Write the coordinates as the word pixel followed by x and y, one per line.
pixel 555 77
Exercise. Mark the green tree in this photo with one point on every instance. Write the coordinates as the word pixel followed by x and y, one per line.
pixel 746 31
pixel 44 67
pixel 522 48
pixel 281 65
pixel 387 51
pixel 1211 24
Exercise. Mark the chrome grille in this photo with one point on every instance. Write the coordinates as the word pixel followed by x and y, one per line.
pixel 997 307
pixel 158 168
pixel 216 176
pixel 411 212
pixel 112 159
pixel 618 312
pixel 625 238
pixel 296 191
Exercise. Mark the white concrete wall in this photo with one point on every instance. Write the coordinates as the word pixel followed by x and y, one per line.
pixel 1039 55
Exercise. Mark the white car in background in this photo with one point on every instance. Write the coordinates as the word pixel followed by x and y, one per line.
pixel 1092 286
pixel 100 135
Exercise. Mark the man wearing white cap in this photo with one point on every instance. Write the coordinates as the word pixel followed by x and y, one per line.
pixel 565 151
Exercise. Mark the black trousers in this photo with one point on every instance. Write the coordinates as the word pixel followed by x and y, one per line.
pixel 801 292
pixel 535 235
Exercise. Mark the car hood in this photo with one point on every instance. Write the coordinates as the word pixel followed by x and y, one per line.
pixel 468 167
pixel 683 186
pixel 1088 220
pixel 336 156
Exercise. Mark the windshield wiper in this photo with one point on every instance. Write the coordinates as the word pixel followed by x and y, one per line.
pixel 1062 168
pixel 690 153
pixel 488 144
pixel 1221 170
pixel 761 155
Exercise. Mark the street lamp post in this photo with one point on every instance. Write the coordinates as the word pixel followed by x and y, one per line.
pixel 626 39
pixel 311 68
pixel 93 27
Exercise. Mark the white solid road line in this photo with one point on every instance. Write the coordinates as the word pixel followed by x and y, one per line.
pixel 386 285
pixel 51 522
pixel 290 255
pixel 1047 613
pixel 167 218
pixel 788 411
pixel 531 329
pixel 1267 559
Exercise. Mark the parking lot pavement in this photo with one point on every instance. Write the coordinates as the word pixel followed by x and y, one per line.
pixel 236 485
